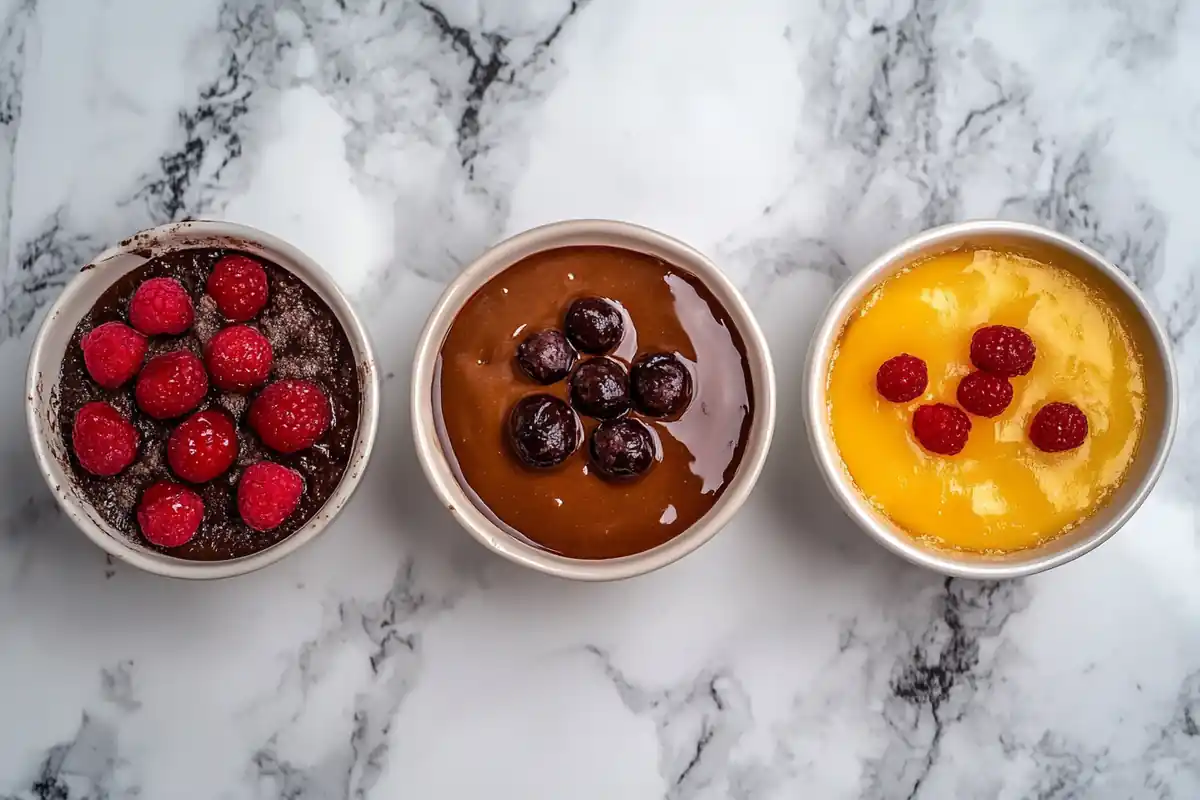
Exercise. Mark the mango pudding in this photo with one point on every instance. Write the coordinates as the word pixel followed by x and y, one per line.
pixel 985 401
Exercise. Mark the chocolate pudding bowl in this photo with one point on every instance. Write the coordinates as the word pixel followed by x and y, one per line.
pixel 592 399
pixel 202 400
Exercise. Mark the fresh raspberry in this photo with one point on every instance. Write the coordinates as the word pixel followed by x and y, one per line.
pixel 267 493
pixel 171 384
pixel 238 358
pixel 290 415
pixel 1003 350
pixel 984 394
pixel 105 442
pixel 169 514
pixel 941 428
pixel 902 378
pixel 112 353
pixel 203 446
pixel 1057 427
pixel 239 285
pixel 161 305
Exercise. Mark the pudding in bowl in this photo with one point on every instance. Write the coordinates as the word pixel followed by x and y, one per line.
pixel 990 399
pixel 592 399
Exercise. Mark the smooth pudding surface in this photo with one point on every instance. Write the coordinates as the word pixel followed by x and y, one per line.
pixel 1000 493
pixel 569 509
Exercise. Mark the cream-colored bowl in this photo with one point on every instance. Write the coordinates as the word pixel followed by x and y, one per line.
pixel 1046 245
pixel 85 289
pixel 567 234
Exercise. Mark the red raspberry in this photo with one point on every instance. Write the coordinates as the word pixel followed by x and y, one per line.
pixel 239 285
pixel 161 305
pixel 1057 427
pixel 169 514
pixel 203 446
pixel 171 384
pixel 239 358
pixel 290 415
pixel 902 378
pixel 112 353
pixel 941 428
pixel 105 442
pixel 984 394
pixel 267 494
pixel 1002 349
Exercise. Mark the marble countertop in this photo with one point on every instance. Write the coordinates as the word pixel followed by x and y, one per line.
pixel 790 657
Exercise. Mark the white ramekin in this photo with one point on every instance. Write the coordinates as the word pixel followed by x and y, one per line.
pixel 566 234
pixel 1161 393
pixel 77 298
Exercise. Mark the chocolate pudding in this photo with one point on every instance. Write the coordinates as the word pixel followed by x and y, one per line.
pixel 308 343
pixel 666 383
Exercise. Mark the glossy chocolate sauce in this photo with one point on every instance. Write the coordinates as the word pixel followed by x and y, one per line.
pixel 569 509
pixel 308 342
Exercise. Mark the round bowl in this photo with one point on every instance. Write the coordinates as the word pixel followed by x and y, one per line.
pixel 77 299
pixel 1046 245
pixel 567 234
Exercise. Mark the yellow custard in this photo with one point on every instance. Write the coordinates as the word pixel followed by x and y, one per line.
pixel 1000 493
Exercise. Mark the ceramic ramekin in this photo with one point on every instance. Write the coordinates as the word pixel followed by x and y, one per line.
pixel 1046 245
pixel 82 292
pixel 566 234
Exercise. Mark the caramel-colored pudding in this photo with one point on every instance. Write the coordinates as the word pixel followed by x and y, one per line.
pixel 569 509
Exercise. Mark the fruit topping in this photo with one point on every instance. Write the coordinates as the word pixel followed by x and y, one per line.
pixel 622 448
pixel 543 430
pixel 113 353
pixel 941 428
pixel 546 356
pixel 984 394
pixel 1057 427
pixel 1003 350
pixel 267 494
pixel 239 286
pixel 171 385
pixel 161 305
pixel 169 514
pixel 104 441
pixel 600 388
pixel 290 415
pixel 902 378
pixel 660 385
pixel 203 446
pixel 594 325
pixel 238 358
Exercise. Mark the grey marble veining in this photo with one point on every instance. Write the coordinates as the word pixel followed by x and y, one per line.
pixel 790 657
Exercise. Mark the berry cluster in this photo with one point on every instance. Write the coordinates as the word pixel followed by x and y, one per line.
pixel 544 430
pixel 287 415
pixel 999 352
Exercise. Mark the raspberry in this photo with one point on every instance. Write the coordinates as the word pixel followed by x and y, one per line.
pixel 1058 427
pixel 1002 349
pixel 984 394
pixel 105 442
pixel 902 378
pixel 161 305
pixel 171 385
pixel 203 446
pixel 169 514
pixel 112 353
pixel 267 494
pixel 941 428
pixel 239 358
pixel 239 285
pixel 290 415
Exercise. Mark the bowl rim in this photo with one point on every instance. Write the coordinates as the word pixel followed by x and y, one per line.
pixel 114 543
pixel 565 233
pixel 825 450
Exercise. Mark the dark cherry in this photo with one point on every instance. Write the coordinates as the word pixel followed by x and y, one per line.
pixel 543 430
pixel 600 388
pixel 622 448
pixel 660 385
pixel 594 325
pixel 546 356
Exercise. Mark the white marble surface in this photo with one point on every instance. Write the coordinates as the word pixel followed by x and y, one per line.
pixel 788 658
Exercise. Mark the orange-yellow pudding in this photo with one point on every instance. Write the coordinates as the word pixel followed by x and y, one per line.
pixel 1000 493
